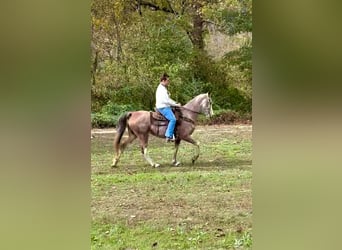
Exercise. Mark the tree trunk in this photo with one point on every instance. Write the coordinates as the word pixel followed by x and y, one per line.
pixel 94 68
pixel 197 32
pixel 118 39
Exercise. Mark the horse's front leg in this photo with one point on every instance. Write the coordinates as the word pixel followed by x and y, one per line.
pixel 174 161
pixel 192 141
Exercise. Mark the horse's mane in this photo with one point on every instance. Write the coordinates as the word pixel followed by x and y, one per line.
pixel 197 97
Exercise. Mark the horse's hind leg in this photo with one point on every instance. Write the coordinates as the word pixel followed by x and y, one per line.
pixel 148 158
pixel 123 145
pixel 192 141
pixel 143 143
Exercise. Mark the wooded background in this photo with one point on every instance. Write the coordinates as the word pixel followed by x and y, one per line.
pixel 205 46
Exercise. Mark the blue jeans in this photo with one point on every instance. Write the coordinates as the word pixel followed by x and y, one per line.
pixel 168 114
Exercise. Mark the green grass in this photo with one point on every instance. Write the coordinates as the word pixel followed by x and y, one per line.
pixel 203 206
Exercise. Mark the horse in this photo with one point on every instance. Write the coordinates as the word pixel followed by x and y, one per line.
pixel 142 123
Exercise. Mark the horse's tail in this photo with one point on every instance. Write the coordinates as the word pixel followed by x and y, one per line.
pixel 121 127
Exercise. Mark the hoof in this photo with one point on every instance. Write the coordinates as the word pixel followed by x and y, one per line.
pixel 194 159
pixel 114 164
pixel 156 165
pixel 176 164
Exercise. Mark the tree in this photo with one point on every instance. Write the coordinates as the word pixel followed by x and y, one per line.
pixel 134 41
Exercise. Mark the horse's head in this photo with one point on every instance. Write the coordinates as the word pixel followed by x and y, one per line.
pixel 206 105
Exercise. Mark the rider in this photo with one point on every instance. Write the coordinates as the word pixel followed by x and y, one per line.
pixel 163 105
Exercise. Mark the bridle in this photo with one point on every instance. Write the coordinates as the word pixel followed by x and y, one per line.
pixel 193 111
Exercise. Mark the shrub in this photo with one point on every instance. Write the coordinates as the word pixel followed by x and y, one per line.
pixel 109 115
pixel 226 117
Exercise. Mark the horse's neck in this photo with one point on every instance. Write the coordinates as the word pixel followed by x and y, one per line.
pixel 192 108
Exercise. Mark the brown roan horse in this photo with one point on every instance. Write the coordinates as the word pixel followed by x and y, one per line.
pixel 142 123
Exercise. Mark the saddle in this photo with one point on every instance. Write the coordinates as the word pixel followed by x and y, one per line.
pixel 158 119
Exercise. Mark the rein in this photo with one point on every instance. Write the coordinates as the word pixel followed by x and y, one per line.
pixel 184 117
pixel 193 111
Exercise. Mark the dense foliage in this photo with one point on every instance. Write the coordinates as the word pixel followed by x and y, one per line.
pixel 134 42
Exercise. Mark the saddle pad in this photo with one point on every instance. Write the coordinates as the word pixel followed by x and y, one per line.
pixel 158 116
pixel 158 119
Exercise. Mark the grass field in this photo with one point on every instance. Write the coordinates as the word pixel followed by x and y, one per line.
pixel 203 206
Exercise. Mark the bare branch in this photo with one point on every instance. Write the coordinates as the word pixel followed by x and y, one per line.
pixel 183 6
pixel 139 7
pixel 155 7
pixel 170 6
pixel 190 37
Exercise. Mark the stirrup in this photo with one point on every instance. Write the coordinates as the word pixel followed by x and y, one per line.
pixel 170 139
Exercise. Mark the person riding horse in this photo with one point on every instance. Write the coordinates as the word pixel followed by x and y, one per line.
pixel 163 105
pixel 140 124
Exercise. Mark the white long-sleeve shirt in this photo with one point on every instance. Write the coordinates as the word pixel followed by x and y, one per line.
pixel 162 97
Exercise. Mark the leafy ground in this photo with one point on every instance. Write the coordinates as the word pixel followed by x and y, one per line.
pixel 203 206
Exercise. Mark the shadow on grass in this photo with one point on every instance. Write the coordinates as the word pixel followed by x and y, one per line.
pixel 230 164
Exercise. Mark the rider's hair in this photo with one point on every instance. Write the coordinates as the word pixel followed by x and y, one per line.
pixel 164 77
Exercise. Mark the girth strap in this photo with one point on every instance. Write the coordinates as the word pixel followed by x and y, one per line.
pixel 156 117
pixel 187 119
